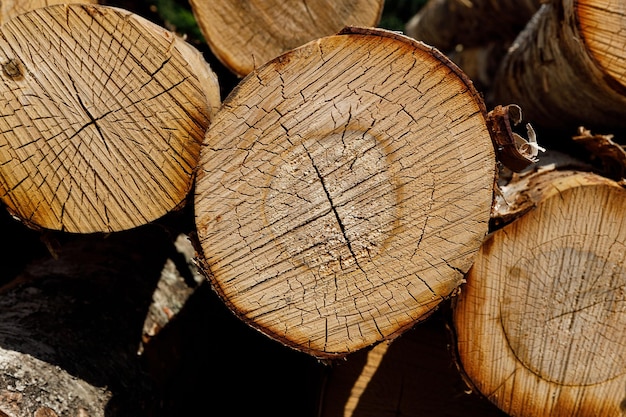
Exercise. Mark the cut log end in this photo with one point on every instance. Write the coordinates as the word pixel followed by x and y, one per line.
pixel 540 323
pixel 344 190
pixel 103 117
pixel 263 31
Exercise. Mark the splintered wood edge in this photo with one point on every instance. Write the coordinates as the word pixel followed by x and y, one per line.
pixel 205 222
pixel 494 356
pixel 59 171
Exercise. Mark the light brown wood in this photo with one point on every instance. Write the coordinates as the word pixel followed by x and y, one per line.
pixel 540 324
pixel 246 34
pixel 102 116
pixel 344 189
pixel 567 68
pixel 11 8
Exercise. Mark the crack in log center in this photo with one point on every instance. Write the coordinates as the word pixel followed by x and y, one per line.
pixel 331 202
pixel 563 309
pixel 333 208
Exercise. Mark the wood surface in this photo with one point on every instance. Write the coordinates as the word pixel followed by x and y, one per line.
pixel 540 323
pixel 246 34
pixel 102 118
pixel 448 24
pixel 344 189
pixel 11 8
pixel 567 68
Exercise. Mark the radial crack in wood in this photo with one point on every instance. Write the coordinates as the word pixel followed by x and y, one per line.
pixel 12 8
pixel 244 35
pixel 540 323
pixel 344 189
pixel 103 114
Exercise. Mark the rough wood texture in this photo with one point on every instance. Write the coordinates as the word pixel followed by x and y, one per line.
pixel 540 323
pixel 445 24
pixel 246 34
pixel 102 113
pixel 568 67
pixel 12 8
pixel 71 325
pixel 344 189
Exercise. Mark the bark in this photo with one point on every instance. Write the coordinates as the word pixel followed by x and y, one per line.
pixel 12 8
pixel 415 375
pixel 445 24
pixel 344 189
pixel 567 67
pixel 540 323
pixel 71 325
pixel 247 34
pixel 103 114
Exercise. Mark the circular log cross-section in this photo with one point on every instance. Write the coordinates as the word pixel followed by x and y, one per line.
pixel 344 189
pixel 244 35
pixel 102 114
pixel 541 322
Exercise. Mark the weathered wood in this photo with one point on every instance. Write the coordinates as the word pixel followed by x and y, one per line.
pixel 344 189
pixel 102 118
pixel 12 8
pixel 540 323
pixel 446 24
pixel 246 34
pixel 568 67
pixel 71 325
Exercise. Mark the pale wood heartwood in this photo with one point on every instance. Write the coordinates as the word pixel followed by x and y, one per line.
pixel 11 8
pixel 246 34
pixel 102 117
pixel 540 324
pixel 344 189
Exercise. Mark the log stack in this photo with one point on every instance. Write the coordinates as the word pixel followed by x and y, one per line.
pixel 372 208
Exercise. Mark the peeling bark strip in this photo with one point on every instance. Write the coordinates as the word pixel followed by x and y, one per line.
pixel 344 189
pixel 541 323
pixel 568 67
pixel 244 35
pixel 102 118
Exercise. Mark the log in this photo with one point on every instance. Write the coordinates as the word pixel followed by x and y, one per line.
pixel 414 375
pixel 71 325
pixel 343 190
pixel 446 24
pixel 244 35
pixel 11 8
pixel 540 323
pixel 103 113
pixel 566 68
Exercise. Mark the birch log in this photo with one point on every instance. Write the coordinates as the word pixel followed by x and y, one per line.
pixel 540 324
pixel 568 67
pixel 344 189
pixel 244 35
pixel 446 24
pixel 102 116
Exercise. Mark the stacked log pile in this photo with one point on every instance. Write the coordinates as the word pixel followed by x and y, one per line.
pixel 355 218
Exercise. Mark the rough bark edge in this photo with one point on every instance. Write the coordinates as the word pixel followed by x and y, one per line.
pixel 204 266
